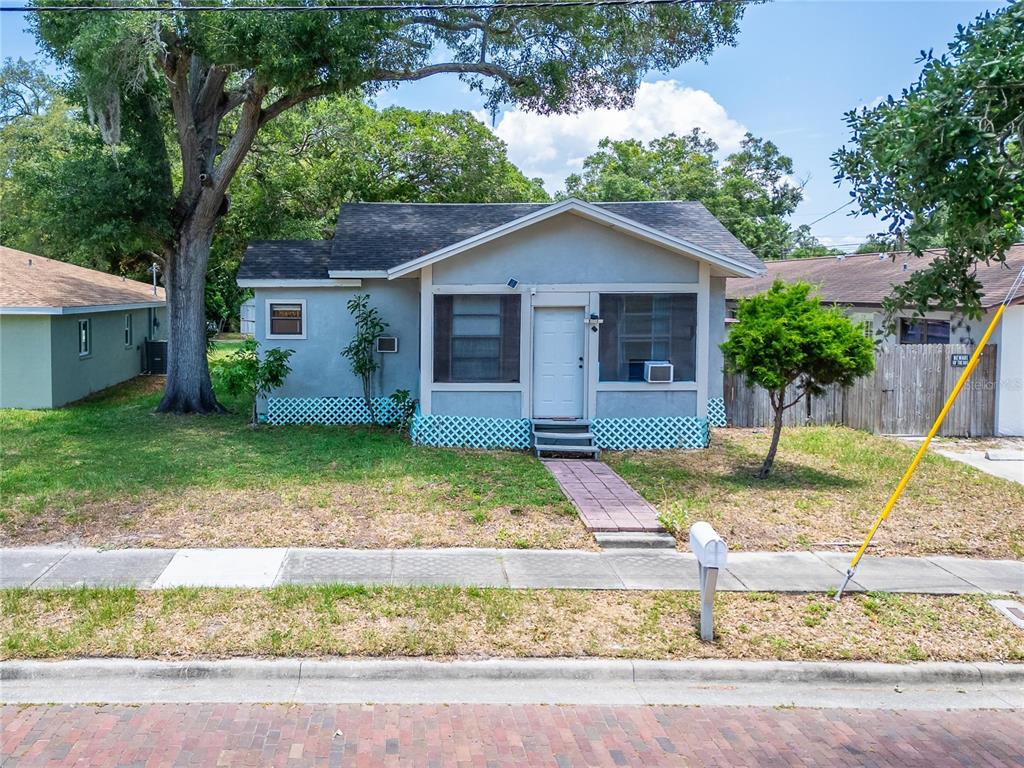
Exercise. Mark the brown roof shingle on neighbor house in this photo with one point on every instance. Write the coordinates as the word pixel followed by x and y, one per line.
pixel 37 283
pixel 865 279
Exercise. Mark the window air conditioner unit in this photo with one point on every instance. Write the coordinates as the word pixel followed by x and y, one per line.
pixel 386 344
pixel 658 371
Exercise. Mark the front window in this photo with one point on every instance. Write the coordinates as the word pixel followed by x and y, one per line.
pixel 648 326
pixel 924 331
pixel 476 338
pixel 286 318
pixel 84 340
pixel 127 330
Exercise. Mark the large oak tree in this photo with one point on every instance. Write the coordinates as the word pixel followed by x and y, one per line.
pixel 219 77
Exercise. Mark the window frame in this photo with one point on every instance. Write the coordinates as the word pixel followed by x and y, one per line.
pixel 304 319
pixel 694 296
pixel 906 322
pixel 86 324
pixel 129 331
pixel 513 344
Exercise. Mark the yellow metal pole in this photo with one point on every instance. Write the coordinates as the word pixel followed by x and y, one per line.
pixel 971 365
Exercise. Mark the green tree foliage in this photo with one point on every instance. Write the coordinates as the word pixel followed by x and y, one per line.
pixel 66 196
pixel 784 337
pixel 302 166
pixel 220 78
pixel 944 162
pixel 245 372
pixel 338 149
pixel 369 326
pixel 26 90
pixel 749 192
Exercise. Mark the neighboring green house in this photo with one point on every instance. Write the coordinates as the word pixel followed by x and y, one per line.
pixel 67 331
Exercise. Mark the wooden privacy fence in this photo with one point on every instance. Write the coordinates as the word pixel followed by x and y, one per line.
pixel 902 397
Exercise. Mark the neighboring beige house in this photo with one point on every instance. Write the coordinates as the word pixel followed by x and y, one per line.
pixel 860 282
pixel 67 331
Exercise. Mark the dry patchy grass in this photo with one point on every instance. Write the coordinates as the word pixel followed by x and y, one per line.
pixel 467 623
pixel 827 486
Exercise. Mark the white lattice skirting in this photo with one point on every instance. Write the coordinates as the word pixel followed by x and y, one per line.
pixel 470 432
pixel 329 410
pixel 716 412
pixel 651 434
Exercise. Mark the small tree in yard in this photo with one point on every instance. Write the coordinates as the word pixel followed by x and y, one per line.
pixel 785 336
pixel 245 373
pixel 369 327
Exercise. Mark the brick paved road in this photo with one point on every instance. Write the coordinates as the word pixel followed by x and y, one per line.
pixel 500 735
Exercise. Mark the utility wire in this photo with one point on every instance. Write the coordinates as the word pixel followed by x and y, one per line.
pixel 847 204
pixel 414 6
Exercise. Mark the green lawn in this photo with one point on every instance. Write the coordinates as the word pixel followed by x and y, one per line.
pixel 457 622
pixel 110 471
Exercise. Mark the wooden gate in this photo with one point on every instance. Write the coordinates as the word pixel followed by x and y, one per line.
pixel 902 397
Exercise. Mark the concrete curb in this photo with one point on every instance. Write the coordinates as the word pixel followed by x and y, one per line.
pixel 708 671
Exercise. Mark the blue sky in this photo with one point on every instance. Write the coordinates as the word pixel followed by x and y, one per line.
pixel 797 67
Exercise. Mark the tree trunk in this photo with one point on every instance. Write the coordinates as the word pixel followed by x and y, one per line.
pixel 368 397
pixel 779 408
pixel 188 387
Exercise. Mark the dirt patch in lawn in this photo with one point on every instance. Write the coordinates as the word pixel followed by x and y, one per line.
pixel 453 622
pixel 405 512
pixel 827 486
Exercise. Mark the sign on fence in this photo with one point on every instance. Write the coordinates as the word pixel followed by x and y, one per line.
pixel 902 397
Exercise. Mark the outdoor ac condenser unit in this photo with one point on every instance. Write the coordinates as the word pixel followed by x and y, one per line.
pixel 658 371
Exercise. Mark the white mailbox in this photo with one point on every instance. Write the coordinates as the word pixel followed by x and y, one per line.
pixel 707 545
pixel 711 552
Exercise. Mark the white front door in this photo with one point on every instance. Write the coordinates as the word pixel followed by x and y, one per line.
pixel 558 362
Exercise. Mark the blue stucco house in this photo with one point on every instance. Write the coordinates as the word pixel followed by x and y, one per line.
pixel 507 320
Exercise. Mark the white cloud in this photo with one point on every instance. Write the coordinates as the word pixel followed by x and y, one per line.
pixel 553 146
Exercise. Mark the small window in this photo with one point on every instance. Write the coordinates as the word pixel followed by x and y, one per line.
pixel 919 331
pixel 84 338
pixel 476 338
pixel 641 327
pixel 127 330
pixel 286 319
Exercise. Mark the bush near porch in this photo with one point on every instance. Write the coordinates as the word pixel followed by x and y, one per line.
pixel 827 486
pixel 110 472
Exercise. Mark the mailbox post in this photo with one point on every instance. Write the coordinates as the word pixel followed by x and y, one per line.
pixel 710 550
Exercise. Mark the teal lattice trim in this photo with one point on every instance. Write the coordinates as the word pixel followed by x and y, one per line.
pixel 716 412
pixel 328 410
pixel 470 432
pixel 649 434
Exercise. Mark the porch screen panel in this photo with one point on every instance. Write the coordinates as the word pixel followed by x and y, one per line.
pixel 476 338
pixel 647 326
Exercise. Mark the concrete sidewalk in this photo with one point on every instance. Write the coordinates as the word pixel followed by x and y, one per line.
pixel 518 569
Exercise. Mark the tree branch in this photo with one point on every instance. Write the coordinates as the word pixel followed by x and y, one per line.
pixel 290 100
pixel 452 67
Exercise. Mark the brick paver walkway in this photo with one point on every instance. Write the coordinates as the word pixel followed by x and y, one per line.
pixel 605 501
pixel 499 735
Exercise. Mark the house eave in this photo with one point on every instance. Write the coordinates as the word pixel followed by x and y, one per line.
pixel 730 266
pixel 89 309
pixel 307 283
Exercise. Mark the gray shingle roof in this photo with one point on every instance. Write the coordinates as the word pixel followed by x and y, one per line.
pixel 286 260
pixel 379 236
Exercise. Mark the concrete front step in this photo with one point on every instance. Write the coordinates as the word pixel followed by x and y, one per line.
pixel 564 423
pixel 539 434
pixel 634 540
pixel 579 450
